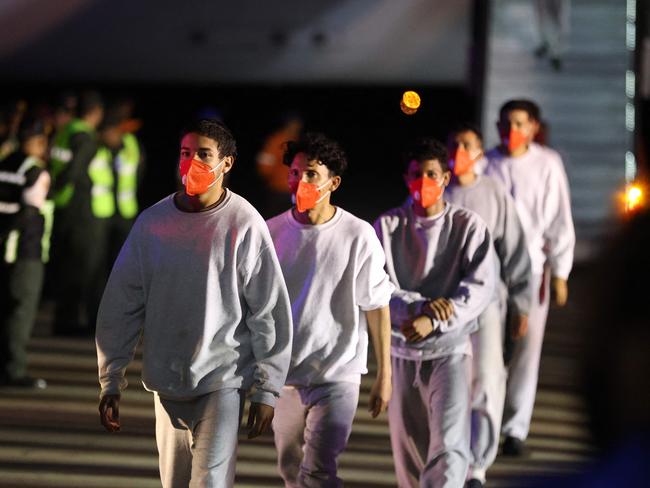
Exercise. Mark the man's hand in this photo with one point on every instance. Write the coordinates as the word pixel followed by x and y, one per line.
pixel 518 326
pixel 559 291
pixel 380 395
pixel 440 309
pixel 109 412
pixel 260 417
pixel 417 329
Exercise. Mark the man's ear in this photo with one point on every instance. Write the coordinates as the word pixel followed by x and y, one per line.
pixel 228 162
pixel 446 178
pixel 336 182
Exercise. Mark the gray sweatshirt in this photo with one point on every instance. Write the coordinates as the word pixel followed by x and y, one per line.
pixel 449 255
pixel 496 207
pixel 206 293
pixel 540 188
pixel 334 273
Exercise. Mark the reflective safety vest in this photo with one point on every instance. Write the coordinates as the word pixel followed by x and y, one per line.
pixel 126 166
pixel 60 157
pixel 47 211
pixel 100 171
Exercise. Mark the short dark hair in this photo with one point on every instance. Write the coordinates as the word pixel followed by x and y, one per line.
pixel 317 146
pixel 89 101
pixel 467 127
pixel 528 106
pixel 217 131
pixel 31 126
pixel 112 118
pixel 426 148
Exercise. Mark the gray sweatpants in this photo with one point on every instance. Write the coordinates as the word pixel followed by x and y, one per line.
pixel 488 390
pixel 523 369
pixel 429 415
pixel 197 439
pixel 311 427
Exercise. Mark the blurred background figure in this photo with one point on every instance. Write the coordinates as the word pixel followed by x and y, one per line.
pixel 10 117
pixel 120 149
pixel 82 191
pixel 270 168
pixel 64 110
pixel 24 234
pixel 553 17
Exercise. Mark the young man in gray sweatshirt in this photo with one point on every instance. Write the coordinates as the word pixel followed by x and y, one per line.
pixel 440 259
pixel 495 206
pixel 333 264
pixel 199 281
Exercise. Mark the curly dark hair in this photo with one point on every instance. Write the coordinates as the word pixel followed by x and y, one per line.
pixel 427 148
pixel 217 131
pixel 319 147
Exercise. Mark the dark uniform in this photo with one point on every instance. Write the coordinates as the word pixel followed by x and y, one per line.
pixel 22 235
pixel 79 239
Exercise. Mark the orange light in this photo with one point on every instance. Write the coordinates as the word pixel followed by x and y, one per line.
pixel 633 198
pixel 411 100
pixel 407 110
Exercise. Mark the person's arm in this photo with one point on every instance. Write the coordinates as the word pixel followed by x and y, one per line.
pixel 119 326
pixel 374 290
pixel 268 318
pixel 559 234
pixel 472 295
pixel 83 149
pixel 512 250
pixel 404 304
pixel 379 328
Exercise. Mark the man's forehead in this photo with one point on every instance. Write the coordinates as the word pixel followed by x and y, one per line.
pixel 415 165
pixel 195 140
pixel 303 160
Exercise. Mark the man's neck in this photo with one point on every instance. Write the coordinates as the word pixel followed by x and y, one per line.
pixel 467 179
pixel 318 215
pixel 520 151
pixel 198 203
pixel 431 211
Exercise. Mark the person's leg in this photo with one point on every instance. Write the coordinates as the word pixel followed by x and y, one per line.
pixel 25 283
pixel 488 391
pixel 331 409
pixel 67 266
pixel 558 13
pixel 174 440
pixel 408 418
pixel 448 390
pixel 95 277
pixel 214 448
pixel 288 433
pixel 524 367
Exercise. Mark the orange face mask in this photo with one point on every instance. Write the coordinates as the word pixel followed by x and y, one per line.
pixel 426 191
pixel 514 139
pixel 308 195
pixel 462 162
pixel 198 177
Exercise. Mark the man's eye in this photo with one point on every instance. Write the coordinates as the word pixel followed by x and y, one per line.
pixel 205 155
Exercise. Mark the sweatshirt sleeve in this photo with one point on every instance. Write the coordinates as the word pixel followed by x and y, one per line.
pixel 476 288
pixel 268 318
pixel 121 317
pixel 404 304
pixel 559 234
pixel 373 284
pixel 512 251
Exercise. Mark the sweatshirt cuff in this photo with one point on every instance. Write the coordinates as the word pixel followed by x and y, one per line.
pixel 265 397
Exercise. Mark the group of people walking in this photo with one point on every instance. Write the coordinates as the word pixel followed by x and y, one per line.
pixel 445 286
